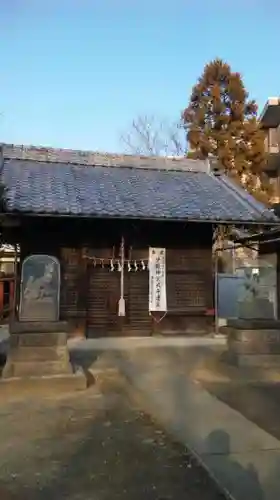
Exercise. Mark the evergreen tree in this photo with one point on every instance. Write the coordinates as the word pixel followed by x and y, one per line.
pixel 221 122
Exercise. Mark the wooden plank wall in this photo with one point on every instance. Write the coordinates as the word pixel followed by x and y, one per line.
pixel 189 295
pixel 87 293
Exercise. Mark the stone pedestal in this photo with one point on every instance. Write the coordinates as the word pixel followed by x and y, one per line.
pixel 39 355
pixel 254 343
pixel 258 308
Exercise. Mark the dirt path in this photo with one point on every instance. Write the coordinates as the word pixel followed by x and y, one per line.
pixel 93 446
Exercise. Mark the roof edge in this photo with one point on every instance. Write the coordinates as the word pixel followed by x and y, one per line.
pixel 186 220
pixel 95 158
pixel 246 198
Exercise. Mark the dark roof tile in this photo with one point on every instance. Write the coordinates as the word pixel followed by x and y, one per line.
pixel 118 191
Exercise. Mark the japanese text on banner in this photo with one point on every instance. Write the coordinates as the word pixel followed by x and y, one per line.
pixel 157 280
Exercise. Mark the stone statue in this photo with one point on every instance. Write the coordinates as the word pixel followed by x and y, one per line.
pixel 38 288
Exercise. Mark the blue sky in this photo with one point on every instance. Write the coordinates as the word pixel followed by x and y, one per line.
pixel 75 73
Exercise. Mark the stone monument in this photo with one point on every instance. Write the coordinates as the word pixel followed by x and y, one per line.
pixel 38 339
pixel 39 289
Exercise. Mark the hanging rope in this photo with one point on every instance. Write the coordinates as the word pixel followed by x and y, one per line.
pixel 158 320
pixel 131 265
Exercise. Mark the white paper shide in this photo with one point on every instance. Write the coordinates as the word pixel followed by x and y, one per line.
pixel 157 280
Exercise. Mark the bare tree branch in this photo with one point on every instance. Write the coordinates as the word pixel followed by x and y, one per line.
pixel 150 136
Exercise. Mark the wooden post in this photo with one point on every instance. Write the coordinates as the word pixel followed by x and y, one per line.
pixel 1 298
pixel 216 299
pixel 121 303
pixel 11 295
pixel 13 312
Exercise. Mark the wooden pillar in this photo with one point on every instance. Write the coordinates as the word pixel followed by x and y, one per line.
pixel 82 290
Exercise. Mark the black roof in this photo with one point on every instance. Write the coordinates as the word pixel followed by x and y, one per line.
pixel 65 182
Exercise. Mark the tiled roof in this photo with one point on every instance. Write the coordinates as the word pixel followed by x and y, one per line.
pixel 42 181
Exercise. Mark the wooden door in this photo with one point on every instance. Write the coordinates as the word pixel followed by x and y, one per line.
pixel 103 296
pixel 139 322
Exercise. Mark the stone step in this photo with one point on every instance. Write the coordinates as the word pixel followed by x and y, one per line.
pixel 38 354
pixel 35 368
pixel 253 343
pixel 263 361
pixel 246 335
pixel 253 347
pixel 254 324
pixel 26 387
pixel 48 339
pixel 38 327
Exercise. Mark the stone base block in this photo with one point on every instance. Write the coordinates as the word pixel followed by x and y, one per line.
pixel 48 384
pixel 254 324
pixel 255 360
pixel 254 341
pixel 40 360
pixel 261 309
pixel 15 368
pixel 254 347
pixel 37 354
pixel 38 326
pixel 36 340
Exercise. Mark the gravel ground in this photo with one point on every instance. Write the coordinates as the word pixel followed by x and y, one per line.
pixel 94 445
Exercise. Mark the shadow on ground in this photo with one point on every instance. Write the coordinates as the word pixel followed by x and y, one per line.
pixel 4 348
pixel 94 446
pixel 245 472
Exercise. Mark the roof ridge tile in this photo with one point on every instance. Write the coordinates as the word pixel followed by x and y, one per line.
pixel 95 158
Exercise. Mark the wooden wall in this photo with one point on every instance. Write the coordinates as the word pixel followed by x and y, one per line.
pixel 89 294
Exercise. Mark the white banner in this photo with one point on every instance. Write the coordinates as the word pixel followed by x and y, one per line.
pixel 157 280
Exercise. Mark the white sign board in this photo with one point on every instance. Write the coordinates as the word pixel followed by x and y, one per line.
pixel 157 280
